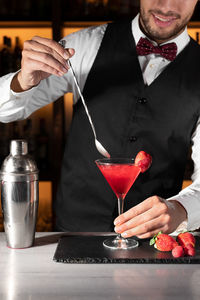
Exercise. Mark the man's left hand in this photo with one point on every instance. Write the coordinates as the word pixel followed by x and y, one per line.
pixel 149 217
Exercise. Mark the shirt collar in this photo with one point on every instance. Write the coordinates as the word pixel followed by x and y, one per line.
pixel 181 40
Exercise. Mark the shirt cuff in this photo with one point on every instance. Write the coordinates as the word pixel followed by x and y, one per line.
pixel 5 91
pixel 12 104
pixel 182 227
pixel 23 94
pixel 191 203
pixel 7 94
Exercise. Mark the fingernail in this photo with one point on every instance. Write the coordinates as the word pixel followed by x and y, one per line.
pixel 71 51
pixel 124 234
pixel 67 64
pixel 116 222
pixel 64 70
pixel 66 55
pixel 60 74
pixel 118 229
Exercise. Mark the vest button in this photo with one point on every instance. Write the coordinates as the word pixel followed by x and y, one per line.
pixel 142 100
pixel 132 139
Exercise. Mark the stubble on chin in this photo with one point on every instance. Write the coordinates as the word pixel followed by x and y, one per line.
pixel 160 34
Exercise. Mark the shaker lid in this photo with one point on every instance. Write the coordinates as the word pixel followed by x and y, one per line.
pixel 19 164
pixel 18 147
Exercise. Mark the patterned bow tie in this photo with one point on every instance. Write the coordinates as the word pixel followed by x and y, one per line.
pixel 145 47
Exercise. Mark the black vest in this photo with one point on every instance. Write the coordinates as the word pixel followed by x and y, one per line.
pixel 128 116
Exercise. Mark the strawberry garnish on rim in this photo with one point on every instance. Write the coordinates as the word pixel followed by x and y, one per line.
pixel 143 160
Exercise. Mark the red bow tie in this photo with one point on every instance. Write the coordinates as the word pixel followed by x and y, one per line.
pixel 145 47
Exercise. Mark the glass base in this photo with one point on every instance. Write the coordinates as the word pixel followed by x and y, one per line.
pixel 120 243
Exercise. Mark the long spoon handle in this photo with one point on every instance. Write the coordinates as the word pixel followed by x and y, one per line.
pixel 82 98
pixel 63 43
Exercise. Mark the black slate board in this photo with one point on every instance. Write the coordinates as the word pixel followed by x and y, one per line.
pixel 90 249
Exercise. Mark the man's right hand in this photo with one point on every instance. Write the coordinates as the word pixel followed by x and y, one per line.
pixel 41 57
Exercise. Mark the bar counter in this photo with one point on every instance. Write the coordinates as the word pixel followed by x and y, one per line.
pixel 30 274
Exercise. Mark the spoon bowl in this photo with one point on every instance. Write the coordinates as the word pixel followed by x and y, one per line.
pixel 101 149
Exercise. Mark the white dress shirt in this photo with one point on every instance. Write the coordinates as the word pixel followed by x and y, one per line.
pixel 17 106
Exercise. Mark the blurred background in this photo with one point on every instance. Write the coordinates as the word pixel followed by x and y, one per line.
pixel 21 20
pixel 72 10
pixel 40 10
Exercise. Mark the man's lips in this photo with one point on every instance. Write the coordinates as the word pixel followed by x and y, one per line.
pixel 163 21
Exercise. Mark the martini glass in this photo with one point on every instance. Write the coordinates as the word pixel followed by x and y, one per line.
pixel 120 173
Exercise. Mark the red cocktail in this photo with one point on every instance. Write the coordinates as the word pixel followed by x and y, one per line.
pixel 119 176
pixel 120 173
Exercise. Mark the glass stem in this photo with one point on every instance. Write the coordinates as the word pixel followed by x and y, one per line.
pixel 120 211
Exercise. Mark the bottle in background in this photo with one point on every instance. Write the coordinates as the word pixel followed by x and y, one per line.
pixel 26 8
pixel 197 37
pixel 134 7
pixel 29 135
pixel 4 56
pixel 100 9
pixel 1 71
pixel 87 8
pixel 15 131
pixel 72 9
pixel 43 9
pixel 125 6
pixel 42 146
pixel 4 141
pixel 17 55
pixel 113 8
pixel 9 67
pixel 4 8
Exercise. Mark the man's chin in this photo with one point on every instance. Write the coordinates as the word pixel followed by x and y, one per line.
pixel 161 35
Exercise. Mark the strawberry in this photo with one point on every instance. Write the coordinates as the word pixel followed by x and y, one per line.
pixel 163 242
pixel 178 251
pixel 185 239
pixel 189 250
pixel 143 161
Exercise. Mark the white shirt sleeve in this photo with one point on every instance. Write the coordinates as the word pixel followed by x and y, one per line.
pixel 190 196
pixel 18 106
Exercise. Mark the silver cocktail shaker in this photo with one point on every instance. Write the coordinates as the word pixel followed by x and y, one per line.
pixel 19 195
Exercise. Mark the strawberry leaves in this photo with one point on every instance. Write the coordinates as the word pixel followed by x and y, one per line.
pixel 154 238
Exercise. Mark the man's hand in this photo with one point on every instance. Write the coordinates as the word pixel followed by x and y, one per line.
pixel 149 217
pixel 41 57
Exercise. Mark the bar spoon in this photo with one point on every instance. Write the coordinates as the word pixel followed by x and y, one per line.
pixel 99 146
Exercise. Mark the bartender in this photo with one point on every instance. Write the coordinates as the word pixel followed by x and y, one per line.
pixel 140 80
